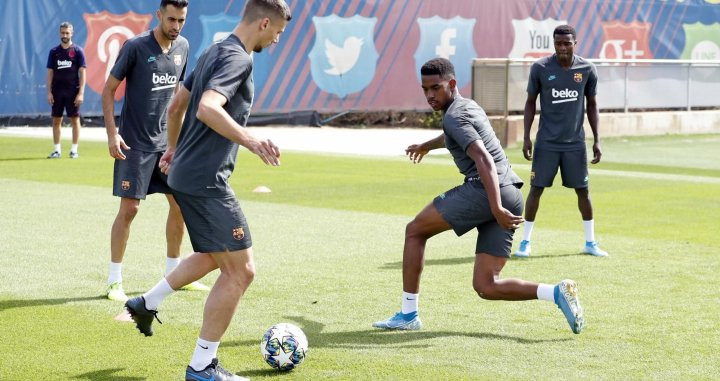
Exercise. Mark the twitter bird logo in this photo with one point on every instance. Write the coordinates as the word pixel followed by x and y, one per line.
pixel 344 58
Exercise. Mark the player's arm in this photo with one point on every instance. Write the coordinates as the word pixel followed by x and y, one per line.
pixel 115 142
pixel 176 114
pixel 50 74
pixel 488 177
pixel 211 112
pixel 593 115
pixel 528 118
pixel 80 97
pixel 417 151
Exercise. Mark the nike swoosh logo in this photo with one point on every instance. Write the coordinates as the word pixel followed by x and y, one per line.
pixel 202 346
pixel 409 299
pixel 200 378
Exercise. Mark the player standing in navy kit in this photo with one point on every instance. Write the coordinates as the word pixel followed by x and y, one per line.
pixel 563 81
pixel 153 64
pixel 66 87
pixel 215 100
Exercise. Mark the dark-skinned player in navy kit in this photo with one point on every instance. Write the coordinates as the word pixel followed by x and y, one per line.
pixel 563 81
pixel 489 200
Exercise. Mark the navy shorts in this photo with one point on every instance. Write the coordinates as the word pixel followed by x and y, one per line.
pixel 214 224
pixel 572 164
pixel 139 175
pixel 466 207
pixel 64 100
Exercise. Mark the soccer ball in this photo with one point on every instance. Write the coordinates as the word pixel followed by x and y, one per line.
pixel 284 346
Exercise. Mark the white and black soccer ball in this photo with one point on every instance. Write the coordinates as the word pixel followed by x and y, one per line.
pixel 284 346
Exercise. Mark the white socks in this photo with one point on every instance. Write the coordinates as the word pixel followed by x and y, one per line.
pixel 205 351
pixel 73 148
pixel 589 230
pixel 409 302
pixel 57 148
pixel 546 292
pixel 157 294
pixel 527 230
pixel 171 264
pixel 115 273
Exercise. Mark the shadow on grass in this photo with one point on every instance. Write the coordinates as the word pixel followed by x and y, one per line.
pixel 21 303
pixel 380 338
pixel 432 262
pixel 107 375
pixel 22 158
pixel 548 256
pixel 469 259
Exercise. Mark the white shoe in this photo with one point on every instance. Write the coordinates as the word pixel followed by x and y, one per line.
pixel 592 248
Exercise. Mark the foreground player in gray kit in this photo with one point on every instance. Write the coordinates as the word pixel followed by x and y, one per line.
pixel 200 159
pixel 563 81
pixel 489 200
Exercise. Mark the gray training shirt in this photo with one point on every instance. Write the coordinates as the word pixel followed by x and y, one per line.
pixel 465 122
pixel 562 101
pixel 151 79
pixel 205 159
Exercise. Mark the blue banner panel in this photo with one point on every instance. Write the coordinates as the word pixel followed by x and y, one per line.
pixel 350 54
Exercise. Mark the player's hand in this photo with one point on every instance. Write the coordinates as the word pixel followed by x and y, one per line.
pixel 597 153
pixel 166 160
pixel 79 99
pixel 416 152
pixel 266 150
pixel 527 149
pixel 506 219
pixel 116 145
pixel 51 99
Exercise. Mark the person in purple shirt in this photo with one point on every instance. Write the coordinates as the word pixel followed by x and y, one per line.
pixel 66 87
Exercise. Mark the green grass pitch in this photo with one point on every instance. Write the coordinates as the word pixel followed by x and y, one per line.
pixel 328 248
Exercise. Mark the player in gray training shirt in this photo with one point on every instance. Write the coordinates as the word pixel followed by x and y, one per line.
pixel 215 100
pixel 489 200
pixel 563 81
pixel 151 64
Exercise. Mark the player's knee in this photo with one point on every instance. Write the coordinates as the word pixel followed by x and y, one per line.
pixel 485 290
pixel 536 191
pixel 242 275
pixel 414 230
pixel 128 211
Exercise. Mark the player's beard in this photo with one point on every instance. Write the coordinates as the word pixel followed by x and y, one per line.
pixel 64 40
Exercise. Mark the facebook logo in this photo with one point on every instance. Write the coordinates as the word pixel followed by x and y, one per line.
pixel 451 39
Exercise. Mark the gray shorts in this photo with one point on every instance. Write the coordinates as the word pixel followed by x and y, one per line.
pixel 572 164
pixel 466 207
pixel 138 175
pixel 214 224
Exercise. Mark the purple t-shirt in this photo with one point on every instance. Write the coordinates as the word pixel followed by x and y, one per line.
pixel 66 64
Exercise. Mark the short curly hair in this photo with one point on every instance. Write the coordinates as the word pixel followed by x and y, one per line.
pixel 564 29
pixel 439 66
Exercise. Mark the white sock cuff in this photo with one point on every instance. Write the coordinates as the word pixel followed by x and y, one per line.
pixel 589 227
pixel 157 294
pixel 114 273
pixel 527 230
pixel 409 302
pixel 546 292
pixel 171 264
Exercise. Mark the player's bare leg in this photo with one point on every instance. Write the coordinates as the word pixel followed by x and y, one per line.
pixel 237 271
pixel 75 123
pixel 426 224
pixel 531 207
pixel 488 285
pixel 585 206
pixel 118 242
pixel 174 228
pixel 56 124
pixel 174 231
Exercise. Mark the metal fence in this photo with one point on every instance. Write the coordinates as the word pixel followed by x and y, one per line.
pixel 499 84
